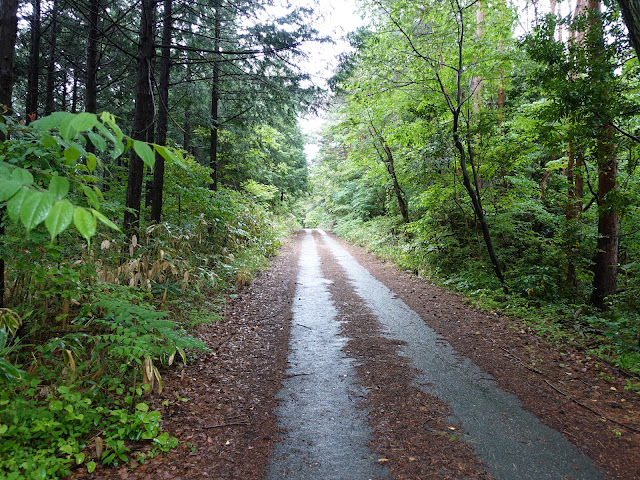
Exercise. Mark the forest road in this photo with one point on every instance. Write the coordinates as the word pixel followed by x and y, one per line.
pixel 327 435
pixel 333 365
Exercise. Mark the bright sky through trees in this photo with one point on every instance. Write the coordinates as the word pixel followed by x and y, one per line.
pixel 336 18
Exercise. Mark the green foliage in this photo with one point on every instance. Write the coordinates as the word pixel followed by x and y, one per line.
pixel 532 135
pixel 91 334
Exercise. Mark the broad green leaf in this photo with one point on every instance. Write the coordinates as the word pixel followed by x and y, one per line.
pixel 98 141
pixel 14 205
pixel 59 218
pixel 92 162
pixel 8 188
pixel 79 458
pixel 85 222
pixel 51 122
pixel 105 220
pixel 66 449
pixel 91 195
pixel 48 141
pixel 59 186
pixel 35 208
pixel 169 155
pixel 144 152
pixel 23 176
pixel 91 466
pixel 71 155
pixel 84 121
pixel 67 130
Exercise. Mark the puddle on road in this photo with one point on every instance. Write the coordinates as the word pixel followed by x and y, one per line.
pixel 513 443
pixel 326 433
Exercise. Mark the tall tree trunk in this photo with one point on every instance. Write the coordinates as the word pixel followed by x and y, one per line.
pixel 390 164
pixel 476 82
pixel 143 115
pixel 631 16
pixel 8 35
pixel 91 89
pixel 51 66
pixel 74 93
pixel 186 141
pixel 215 99
pixel 163 112
pixel 605 269
pixel 34 64
pixel 574 210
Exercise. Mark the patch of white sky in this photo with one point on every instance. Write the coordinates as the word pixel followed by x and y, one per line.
pixel 333 19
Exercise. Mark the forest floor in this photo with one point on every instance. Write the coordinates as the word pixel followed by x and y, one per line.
pixel 222 406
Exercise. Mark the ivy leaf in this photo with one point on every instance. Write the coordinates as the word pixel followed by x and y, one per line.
pixel 59 218
pixel 59 186
pixel 8 188
pixel 144 152
pixel 35 208
pixel 85 222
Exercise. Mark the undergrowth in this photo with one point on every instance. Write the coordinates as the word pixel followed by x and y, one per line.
pixel 90 327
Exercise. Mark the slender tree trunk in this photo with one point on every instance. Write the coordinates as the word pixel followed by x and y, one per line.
pixel 91 92
pixel 74 93
pixel 215 100
pixel 476 82
pixel 402 204
pixel 8 35
pixel 34 64
pixel 186 141
pixel 574 210
pixel 143 116
pixel 51 66
pixel 163 112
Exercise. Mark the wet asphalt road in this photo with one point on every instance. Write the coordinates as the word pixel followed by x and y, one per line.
pixel 327 434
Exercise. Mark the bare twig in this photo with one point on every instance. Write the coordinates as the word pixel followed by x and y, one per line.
pixel 528 367
pixel 628 427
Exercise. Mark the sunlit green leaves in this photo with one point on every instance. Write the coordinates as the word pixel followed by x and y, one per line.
pixel 85 222
pixel 59 186
pixel 145 153
pixel 59 217
pixel 35 208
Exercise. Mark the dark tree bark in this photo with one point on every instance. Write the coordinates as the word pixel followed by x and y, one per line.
pixel 215 100
pixel 8 34
pixel 186 141
pixel 389 162
pixel 51 66
pixel 605 269
pixel 91 92
pixel 163 112
pixel 34 64
pixel 143 115
pixel 631 16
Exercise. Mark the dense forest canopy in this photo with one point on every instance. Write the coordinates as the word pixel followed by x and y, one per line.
pixel 151 158
pixel 495 145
